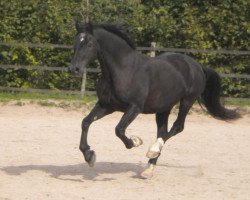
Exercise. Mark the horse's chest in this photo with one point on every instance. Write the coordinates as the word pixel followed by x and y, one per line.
pixel 107 96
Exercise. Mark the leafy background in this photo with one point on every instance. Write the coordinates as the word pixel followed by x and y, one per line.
pixel 197 24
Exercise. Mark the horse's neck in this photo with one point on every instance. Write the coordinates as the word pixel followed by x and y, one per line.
pixel 115 54
pixel 112 55
pixel 104 68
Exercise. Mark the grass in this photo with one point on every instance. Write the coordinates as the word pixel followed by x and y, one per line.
pixel 67 101
pixel 8 96
pixel 50 100
pixel 236 102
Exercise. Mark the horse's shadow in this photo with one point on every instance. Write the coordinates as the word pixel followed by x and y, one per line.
pixel 88 173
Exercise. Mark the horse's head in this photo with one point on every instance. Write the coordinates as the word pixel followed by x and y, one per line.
pixel 85 49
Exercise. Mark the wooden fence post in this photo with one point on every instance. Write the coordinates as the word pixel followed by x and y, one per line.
pixel 83 86
pixel 84 77
pixel 87 7
pixel 152 52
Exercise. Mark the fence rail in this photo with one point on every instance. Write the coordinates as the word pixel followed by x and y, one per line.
pixel 43 68
pixel 207 51
pixel 37 45
pixel 93 70
pixel 152 49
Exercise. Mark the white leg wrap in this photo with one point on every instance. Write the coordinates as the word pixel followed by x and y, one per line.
pixel 157 146
pixel 151 166
pixel 148 172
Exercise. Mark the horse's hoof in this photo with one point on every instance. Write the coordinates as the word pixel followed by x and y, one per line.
pixel 90 158
pixel 152 154
pixel 136 141
pixel 148 173
pixel 91 163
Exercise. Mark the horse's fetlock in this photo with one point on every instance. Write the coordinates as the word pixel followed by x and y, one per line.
pixel 129 144
pixel 84 149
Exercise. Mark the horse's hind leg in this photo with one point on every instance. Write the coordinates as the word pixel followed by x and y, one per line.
pixel 162 128
pixel 178 126
pixel 96 113
pixel 155 149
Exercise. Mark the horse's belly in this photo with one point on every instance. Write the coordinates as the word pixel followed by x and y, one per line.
pixel 163 100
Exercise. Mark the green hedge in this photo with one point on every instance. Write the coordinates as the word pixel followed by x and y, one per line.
pixel 198 24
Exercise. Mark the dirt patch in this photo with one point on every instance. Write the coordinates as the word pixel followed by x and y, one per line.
pixel 39 158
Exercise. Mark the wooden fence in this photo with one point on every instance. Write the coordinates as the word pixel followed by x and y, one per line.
pixel 153 49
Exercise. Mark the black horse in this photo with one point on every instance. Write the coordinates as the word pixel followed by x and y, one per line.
pixel 133 83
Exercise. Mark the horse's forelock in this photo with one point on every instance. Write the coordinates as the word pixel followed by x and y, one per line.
pixel 84 27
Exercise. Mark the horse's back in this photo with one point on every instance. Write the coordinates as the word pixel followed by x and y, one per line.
pixel 166 85
pixel 173 77
pixel 190 70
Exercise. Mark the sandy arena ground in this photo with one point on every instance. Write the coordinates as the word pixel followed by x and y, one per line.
pixel 39 158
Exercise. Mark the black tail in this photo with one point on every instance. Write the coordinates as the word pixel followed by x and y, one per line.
pixel 211 97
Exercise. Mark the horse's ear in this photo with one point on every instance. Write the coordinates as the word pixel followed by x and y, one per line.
pixel 89 28
pixel 78 26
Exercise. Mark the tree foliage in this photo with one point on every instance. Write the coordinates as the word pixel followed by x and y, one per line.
pixel 198 24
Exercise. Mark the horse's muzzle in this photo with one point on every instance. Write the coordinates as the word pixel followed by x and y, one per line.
pixel 75 72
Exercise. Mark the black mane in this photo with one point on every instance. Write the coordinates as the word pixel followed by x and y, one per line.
pixel 120 30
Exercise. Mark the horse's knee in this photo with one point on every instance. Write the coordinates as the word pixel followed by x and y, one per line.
pixel 85 123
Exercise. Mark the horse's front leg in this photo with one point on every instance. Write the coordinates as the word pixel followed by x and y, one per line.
pixel 97 112
pixel 131 113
